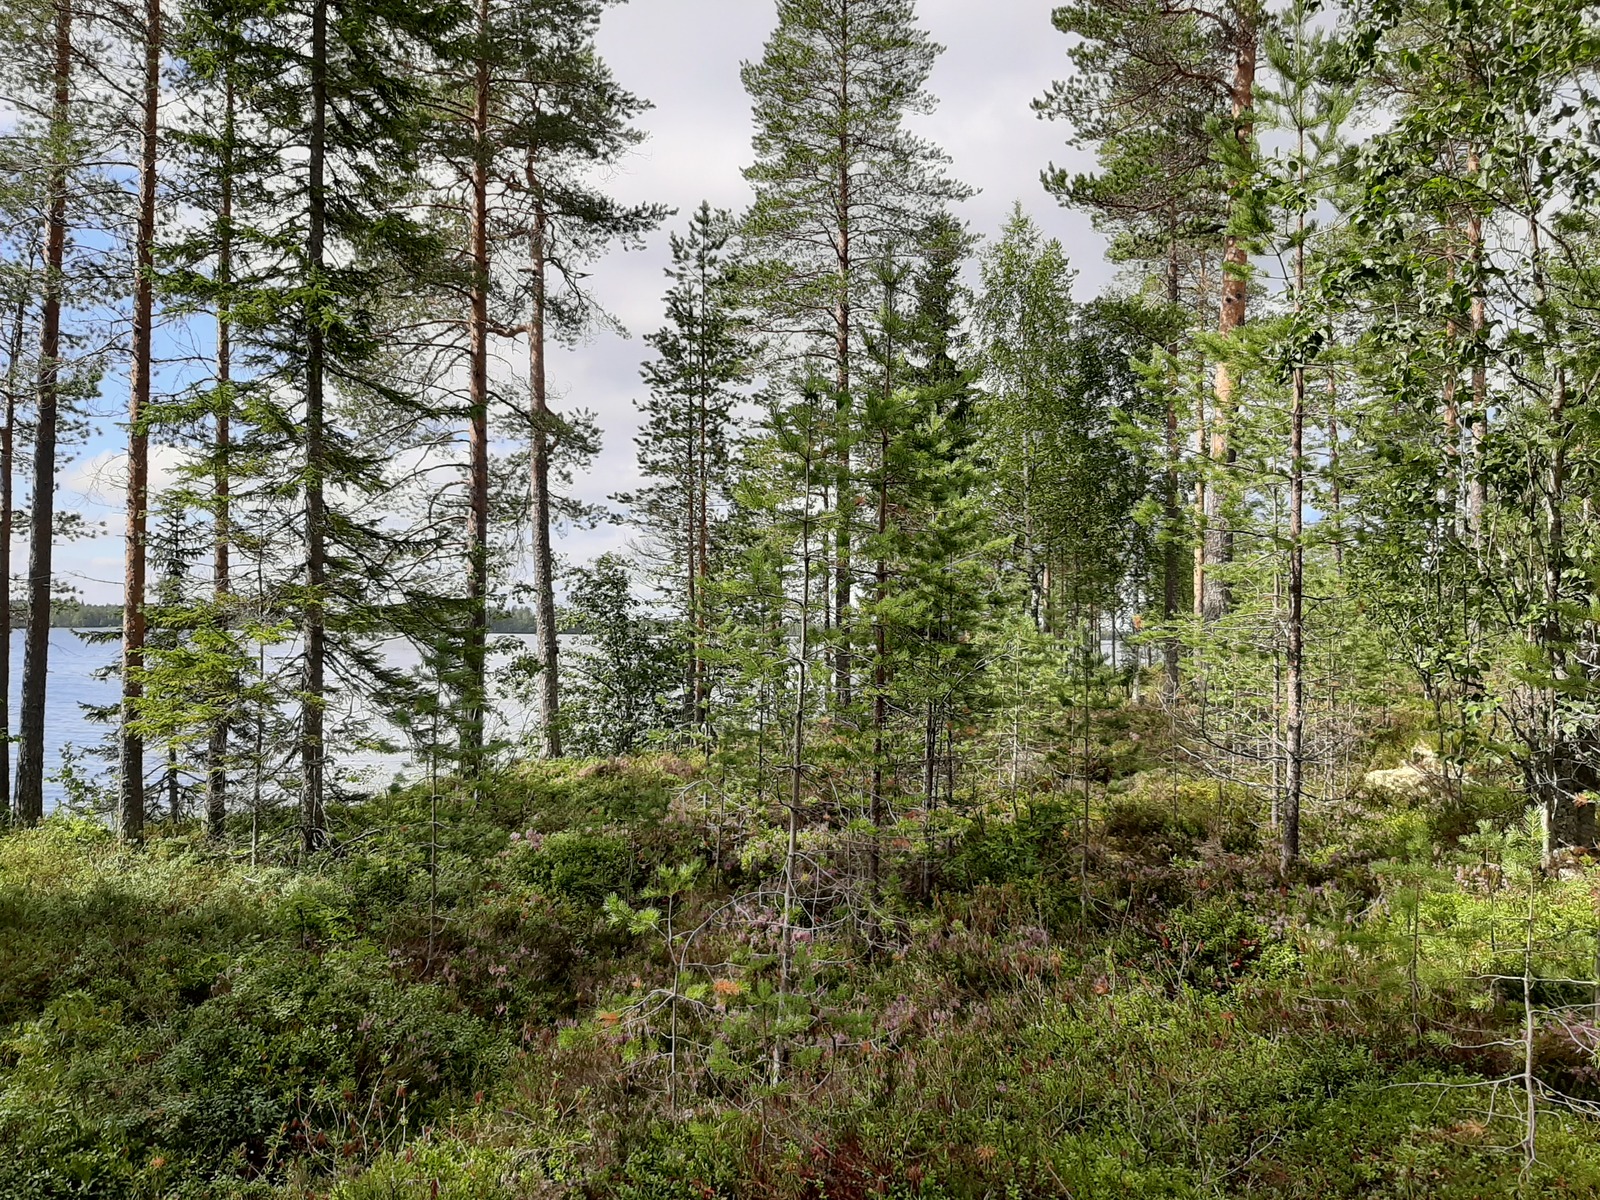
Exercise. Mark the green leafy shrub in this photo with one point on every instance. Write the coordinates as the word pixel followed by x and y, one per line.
pixel 437 1170
pixel 579 864
pixel 1039 843
pixel 1214 943
pixel 1142 823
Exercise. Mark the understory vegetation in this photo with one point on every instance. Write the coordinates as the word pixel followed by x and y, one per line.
pixel 589 993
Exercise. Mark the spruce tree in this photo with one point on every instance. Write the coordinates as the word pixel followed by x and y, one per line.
pixel 926 535
pixel 685 444
pixel 949 565
pixel 337 92
pixel 221 172
pixel 623 678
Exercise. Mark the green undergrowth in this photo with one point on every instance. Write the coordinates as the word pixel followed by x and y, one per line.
pixel 590 995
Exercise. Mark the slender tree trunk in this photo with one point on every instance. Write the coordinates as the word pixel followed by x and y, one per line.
pixel 702 690
pixel 221 484
pixel 880 669
pixel 130 813
pixel 1172 550
pixel 544 585
pixel 8 442
pixel 1275 814
pixel 1202 452
pixel 477 632
pixel 844 492
pixel 1217 598
pixel 1335 485
pixel 691 579
pixel 797 759
pixel 1530 1029
pixel 313 747
pixel 174 788
pixel 1450 487
pixel 1038 585
pixel 1202 457
pixel 41 533
pixel 1477 486
pixel 880 635
pixel 1572 757
pixel 691 546
pixel 1295 718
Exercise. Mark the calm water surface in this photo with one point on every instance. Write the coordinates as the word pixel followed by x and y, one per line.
pixel 77 680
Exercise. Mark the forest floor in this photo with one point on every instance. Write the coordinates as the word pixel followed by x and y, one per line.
pixel 593 993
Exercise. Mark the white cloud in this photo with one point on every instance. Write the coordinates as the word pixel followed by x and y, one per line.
pixel 99 482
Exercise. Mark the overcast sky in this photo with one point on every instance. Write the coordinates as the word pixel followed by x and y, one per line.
pixel 684 56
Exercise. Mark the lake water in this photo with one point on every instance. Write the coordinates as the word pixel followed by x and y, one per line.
pixel 76 681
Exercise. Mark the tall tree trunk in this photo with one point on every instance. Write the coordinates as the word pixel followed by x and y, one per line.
pixel 1202 452
pixel 702 693
pixel 844 492
pixel 1477 484
pixel 1295 716
pixel 41 532
pixel 221 483
pixel 791 858
pixel 313 743
pixel 1172 550
pixel 1335 484
pixel 691 547
pixel 1572 759
pixel 1217 598
pixel 544 585
pixel 8 443
pixel 1450 487
pixel 880 634
pixel 880 668
pixel 477 632
pixel 130 812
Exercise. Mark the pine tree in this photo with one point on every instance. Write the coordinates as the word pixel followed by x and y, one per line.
pixel 1157 82
pixel 1310 105
pixel 562 117
pixel 1138 101
pixel 514 76
pixel 20 283
pixel 130 824
pixel 841 184
pixel 41 534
